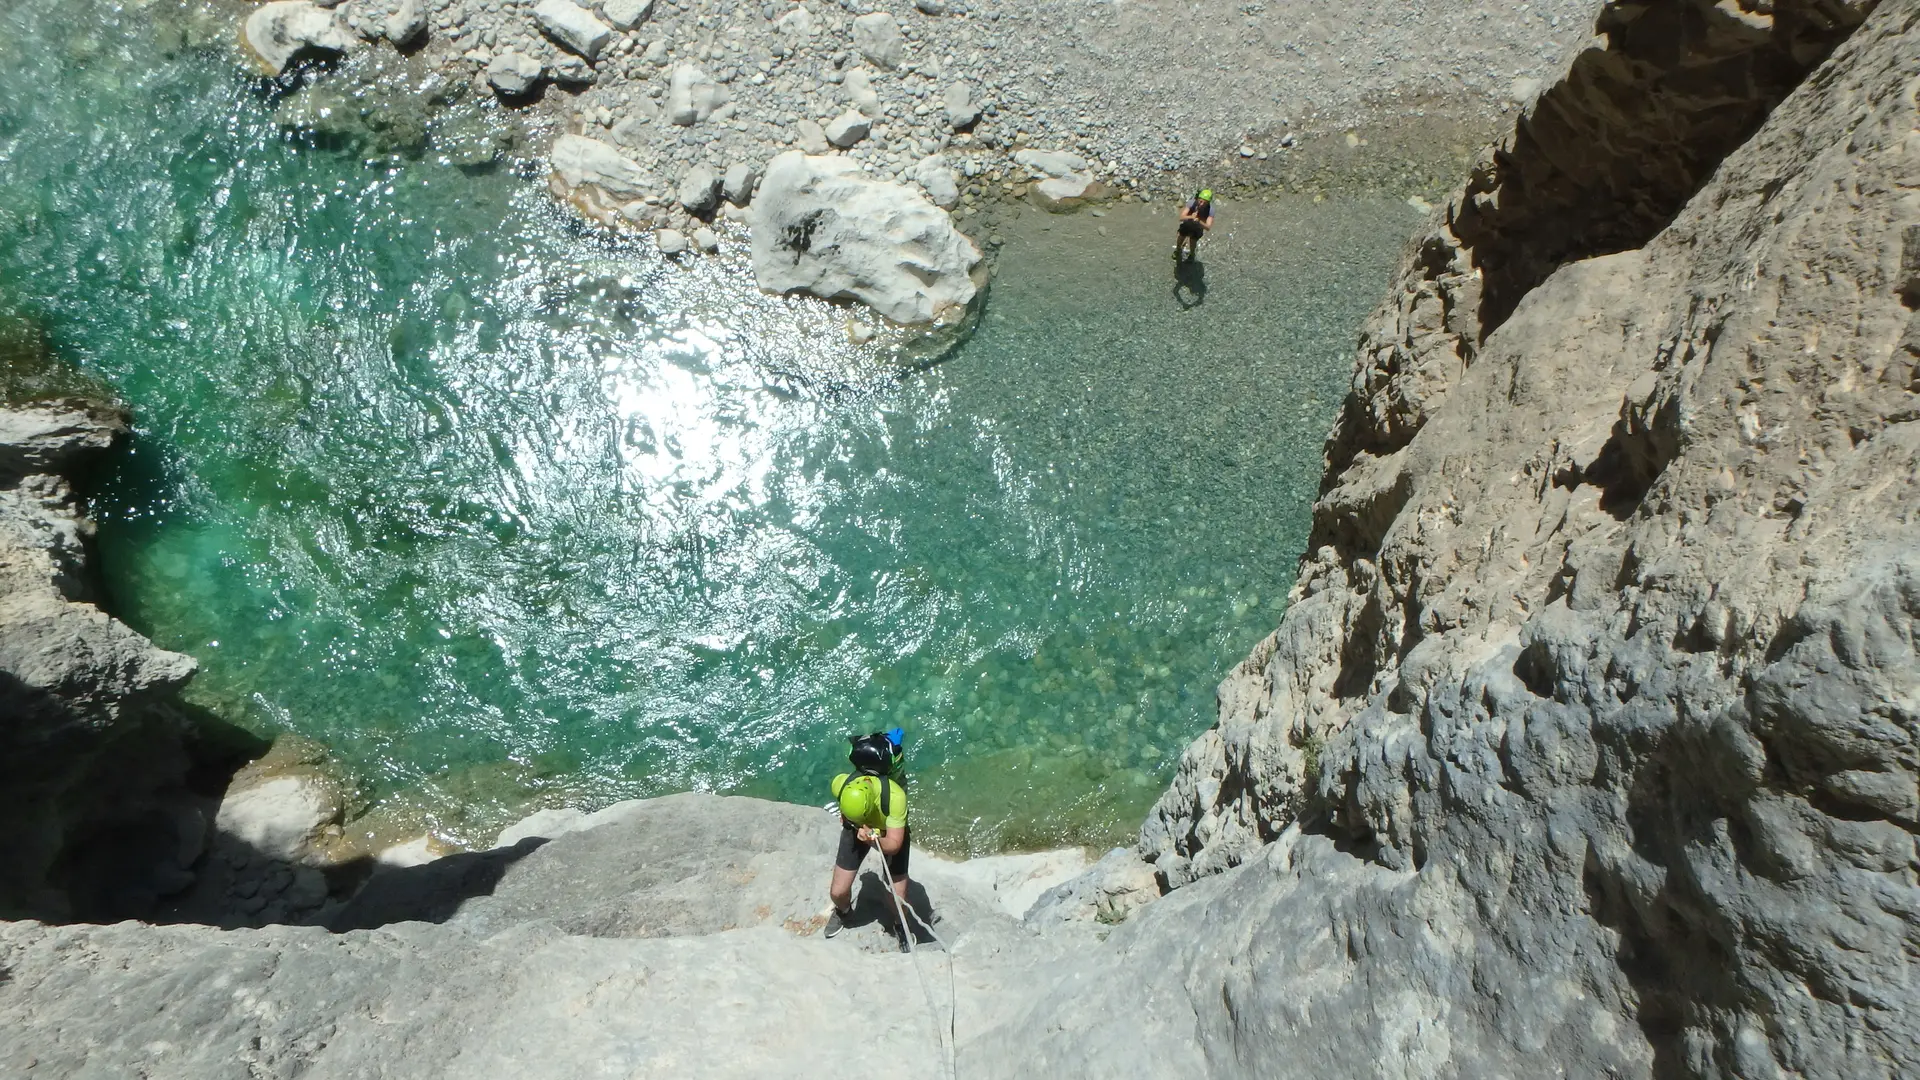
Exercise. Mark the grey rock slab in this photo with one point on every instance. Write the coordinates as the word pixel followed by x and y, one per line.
pixel 579 161
pixel 847 129
pixel 279 31
pixel 280 817
pixel 796 23
pixel 572 26
pixel 699 190
pixel 706 240
pixel 822 225
pixel 692 96
pixel 859 87
pixel 961 111
pixel 941 184
pixel 670 241
pixel 738 184
pixel 573 70
pixel 408 23
pixel 50 439
pixel 1051 162
pixel 877 37
pixel 1058 194
pixel 514 73
pixel 811 137
pixel 626 14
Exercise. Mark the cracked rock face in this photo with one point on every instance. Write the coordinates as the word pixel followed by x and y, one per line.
pixel 88 774
pixel 1590 735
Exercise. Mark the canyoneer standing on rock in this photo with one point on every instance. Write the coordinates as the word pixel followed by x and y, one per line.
pixel 1196 221
pixel 873 811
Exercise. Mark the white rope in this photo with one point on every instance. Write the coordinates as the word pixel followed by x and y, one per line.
pixel 951 1042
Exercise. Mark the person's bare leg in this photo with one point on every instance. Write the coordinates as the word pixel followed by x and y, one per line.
pixel 841 890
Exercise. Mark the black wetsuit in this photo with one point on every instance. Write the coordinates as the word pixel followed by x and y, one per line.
pixel 1196 229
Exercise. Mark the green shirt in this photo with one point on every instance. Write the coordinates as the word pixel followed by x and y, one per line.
pixel 876 820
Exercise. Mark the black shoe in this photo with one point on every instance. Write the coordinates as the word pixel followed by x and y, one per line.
pixel 906 939
pixel 835 924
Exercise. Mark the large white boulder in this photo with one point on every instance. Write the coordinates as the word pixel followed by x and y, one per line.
pixel 877 37
pixel 822 225
pixel 279 31
pixel 692 96
pixel 580 162
pixel 573 26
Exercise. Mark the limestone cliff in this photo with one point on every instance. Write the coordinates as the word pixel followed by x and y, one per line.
pixel 1589 741
pixel 94 755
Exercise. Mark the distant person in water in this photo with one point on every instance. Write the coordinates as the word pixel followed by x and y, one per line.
pixel 1196 221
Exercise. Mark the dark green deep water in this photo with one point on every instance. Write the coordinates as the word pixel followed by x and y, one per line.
pixel 502 512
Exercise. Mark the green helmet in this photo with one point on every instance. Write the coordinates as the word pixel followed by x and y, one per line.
pixel 1206 194
pixel 857 798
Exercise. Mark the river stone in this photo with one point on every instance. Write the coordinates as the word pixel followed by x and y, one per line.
pixel 572 26
pixel 811 137
pixel 737 186
pixel 859 87
pixel 877 37
pixel 962 113
pixel 514 74
pixel 847 128
pixel 280 817
pixel 279 31
pixel 580 162
pixel 1051 162
pixel 699 191
pixel 571 69
pixel 823 226
pixel 706 240
pixel 797 23
pixel 943 187
pixel 670 241
pixel 407 23
pixel 930 7
pixel 692 96
pixel 1059 194
pixel 626 14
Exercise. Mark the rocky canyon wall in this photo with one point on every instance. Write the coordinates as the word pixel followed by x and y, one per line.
pixel 1590 743
pixel 97 755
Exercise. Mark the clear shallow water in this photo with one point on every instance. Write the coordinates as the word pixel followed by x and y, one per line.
pixel 504 513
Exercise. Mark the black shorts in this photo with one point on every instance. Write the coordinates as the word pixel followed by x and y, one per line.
pixel 1192 229
pixel 852 851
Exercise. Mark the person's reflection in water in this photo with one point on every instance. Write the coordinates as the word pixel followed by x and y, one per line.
pixel 1190 283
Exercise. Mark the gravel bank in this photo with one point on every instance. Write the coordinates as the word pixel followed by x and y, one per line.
pixel 1154 95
